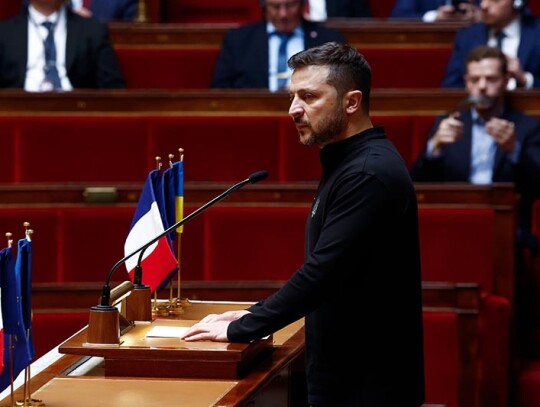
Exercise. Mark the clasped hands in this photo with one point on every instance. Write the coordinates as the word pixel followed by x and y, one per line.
pixel 451 129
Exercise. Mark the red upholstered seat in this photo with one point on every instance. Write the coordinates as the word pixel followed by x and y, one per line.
pixel 399 130
pixel 441 358
pixel 381 8
pixel 296 161
pixel 457 244
pixel 420 68
pixel 93 241
pixel 81 149
pixel 167 68
pixel 253 243
pixel 528 388
pixel 109 149
pixel 210 11
pixel 220 148
pixel 7 141
pixel 9 8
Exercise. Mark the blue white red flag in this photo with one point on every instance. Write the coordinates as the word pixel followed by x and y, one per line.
pixel 158 260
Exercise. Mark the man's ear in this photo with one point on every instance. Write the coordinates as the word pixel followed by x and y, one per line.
pixel 353 101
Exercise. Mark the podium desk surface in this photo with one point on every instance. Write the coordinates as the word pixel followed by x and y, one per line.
pixel 65 382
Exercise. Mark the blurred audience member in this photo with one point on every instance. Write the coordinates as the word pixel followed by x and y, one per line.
pixel 104 10
pixel 255 55
pixel 320 10
pixel 431 11
pixel 49 47
pixel 488 142
pixel 506 24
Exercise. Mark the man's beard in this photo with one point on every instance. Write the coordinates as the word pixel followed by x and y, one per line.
pixel 328 129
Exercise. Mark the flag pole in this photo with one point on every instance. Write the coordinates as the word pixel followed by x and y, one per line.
pixel 171 299
pixel 28 400
pixel 9 237
pixel 158 310
pixel 179 303
pixel 179 235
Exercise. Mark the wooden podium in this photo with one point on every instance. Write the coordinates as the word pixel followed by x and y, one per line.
pixel 269 372
pixel 139 355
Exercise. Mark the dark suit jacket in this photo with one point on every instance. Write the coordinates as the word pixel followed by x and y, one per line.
pixel 454 163
pixel 348 8
pixel 106 10
pixel 414 8
pixel 243 57
pixel 90 58
pixel 477 34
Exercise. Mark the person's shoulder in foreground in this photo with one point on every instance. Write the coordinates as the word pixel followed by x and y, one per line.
pixel 365 205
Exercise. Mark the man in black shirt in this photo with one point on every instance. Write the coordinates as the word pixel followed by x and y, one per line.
pixel 361 271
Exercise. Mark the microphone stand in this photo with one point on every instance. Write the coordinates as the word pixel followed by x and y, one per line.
pixel 103 325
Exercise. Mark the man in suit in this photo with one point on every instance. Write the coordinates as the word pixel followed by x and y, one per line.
pixel 84 55
pixel 509 25
pixel 104 10
pixel 249 55
pixel 490 142
pixel 431 11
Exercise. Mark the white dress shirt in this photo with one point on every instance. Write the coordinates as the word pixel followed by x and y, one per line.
pixel 295 45
pixel 35 66
pixel 317 10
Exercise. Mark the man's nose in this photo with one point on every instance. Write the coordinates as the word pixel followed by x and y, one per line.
pixel 295 110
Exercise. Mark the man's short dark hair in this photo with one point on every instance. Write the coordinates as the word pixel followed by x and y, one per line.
pixel 483 52
pixel 348 69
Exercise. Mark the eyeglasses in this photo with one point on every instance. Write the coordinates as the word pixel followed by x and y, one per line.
pixel 287 5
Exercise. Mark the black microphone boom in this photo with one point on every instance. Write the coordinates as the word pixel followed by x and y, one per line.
pixel 253 178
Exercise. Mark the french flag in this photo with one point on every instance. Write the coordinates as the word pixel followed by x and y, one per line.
pixel 158 260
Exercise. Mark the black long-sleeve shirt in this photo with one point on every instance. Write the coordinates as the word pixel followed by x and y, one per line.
pixel 360 285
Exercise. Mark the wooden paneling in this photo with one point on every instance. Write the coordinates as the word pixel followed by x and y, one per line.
pixel 399 102
pixel 362 33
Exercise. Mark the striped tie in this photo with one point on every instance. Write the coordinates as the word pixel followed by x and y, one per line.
pixel 282 74
pixel 51 72
pixel 500 37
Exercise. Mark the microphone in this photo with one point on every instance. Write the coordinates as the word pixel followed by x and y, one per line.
pixel 106 291
pixel 475 101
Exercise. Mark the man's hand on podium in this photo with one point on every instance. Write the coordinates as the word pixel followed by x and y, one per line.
pixel 212 327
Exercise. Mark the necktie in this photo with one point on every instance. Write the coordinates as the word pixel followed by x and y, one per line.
pixel 86 4
pixel 51 72
pixel 282 73
pixel 500 37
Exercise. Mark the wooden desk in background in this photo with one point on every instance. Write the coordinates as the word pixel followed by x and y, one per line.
pixel 389 102
pixel 363 33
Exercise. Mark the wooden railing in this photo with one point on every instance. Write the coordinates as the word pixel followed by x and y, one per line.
pixel 396 102
pixel 362 33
